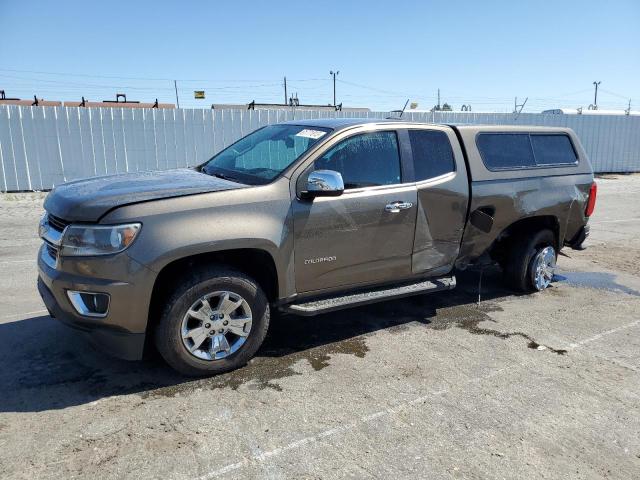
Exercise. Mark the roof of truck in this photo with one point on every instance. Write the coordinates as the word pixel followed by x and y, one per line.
pixel 336 123
pixel 339 123
pixel 511 128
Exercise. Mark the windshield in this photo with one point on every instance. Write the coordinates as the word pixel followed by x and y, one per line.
pixel 262 155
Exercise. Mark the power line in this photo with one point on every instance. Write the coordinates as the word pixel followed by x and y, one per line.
pixel 68 74
pixel 466 97
pixel 260 85
pixel 229 89
pixel 80 85
pixel 402 94
pixel 584 90
pixel 91 85
pixel 626 97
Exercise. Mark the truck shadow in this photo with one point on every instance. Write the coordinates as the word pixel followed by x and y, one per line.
pixel 45 365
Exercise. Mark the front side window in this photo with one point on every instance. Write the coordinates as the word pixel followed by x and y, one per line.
pixel 432 153
pixel 262 155
pixel 365 160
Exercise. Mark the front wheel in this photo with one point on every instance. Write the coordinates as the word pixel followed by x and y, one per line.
pixel 214 322
pixel 531 261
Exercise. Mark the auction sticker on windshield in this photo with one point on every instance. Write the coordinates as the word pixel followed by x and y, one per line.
pixel 308 133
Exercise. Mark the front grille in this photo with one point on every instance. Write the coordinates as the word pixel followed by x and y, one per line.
pixel 51 229
pixel 57 223
pixel 52 250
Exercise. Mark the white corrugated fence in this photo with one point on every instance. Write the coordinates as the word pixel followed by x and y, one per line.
pixel 41 147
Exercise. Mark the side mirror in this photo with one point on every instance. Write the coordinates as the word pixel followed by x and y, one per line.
pixel 324 183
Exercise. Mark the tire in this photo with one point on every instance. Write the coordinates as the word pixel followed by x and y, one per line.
pixel 518 267
pixel 185 312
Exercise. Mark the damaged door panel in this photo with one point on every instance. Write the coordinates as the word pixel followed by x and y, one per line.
pixel 443 196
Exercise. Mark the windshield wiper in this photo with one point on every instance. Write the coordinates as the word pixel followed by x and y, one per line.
pixel 225 177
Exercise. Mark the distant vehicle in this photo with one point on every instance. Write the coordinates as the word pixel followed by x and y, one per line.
pixel 306 217
pixel 586 111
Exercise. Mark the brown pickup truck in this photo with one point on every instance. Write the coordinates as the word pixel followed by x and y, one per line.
pixel 305 217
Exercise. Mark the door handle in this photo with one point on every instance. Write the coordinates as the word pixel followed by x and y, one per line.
pixel 395 207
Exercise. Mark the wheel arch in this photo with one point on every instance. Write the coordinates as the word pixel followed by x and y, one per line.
pixel 523 226
pixel 257 263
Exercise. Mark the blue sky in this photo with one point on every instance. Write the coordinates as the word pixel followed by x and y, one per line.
pixel 482 53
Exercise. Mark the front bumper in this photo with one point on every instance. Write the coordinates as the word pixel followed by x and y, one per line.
pixel 121 332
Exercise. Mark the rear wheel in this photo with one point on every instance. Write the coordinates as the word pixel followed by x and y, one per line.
pixel 531 261
pixel 214 322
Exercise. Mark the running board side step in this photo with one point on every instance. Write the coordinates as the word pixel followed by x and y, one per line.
pixel 316 307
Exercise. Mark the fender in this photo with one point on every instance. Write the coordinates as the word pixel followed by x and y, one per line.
pixel 257 218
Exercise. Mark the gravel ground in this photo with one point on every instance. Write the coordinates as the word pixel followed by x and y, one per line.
pixel 535 386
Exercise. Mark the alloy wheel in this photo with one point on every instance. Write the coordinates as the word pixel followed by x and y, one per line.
pixel 216 325
pixel 543 267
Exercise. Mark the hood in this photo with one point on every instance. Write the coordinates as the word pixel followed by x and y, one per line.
pixel 88 200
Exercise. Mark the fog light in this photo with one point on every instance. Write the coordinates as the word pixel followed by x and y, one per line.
pixel 89 304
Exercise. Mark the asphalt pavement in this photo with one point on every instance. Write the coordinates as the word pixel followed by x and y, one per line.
pixel 472 383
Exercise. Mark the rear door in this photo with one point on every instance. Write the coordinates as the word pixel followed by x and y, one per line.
pixel 365 235
pixel 443 194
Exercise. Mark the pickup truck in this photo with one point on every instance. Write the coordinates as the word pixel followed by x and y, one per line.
pixel 305 217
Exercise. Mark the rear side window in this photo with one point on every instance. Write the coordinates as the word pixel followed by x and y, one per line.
pixel 553 150
pixel 432 153
pixel 502 151
pixel 507 151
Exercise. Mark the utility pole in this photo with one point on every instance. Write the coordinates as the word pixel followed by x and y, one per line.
pixel 285 90
pixel 175 85
pixel 595 97
pixel 438 99
pixel 334 84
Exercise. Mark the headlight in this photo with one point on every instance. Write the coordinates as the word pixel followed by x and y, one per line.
pixel 81 240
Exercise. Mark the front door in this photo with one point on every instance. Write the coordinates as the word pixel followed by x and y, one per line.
pixel 365 235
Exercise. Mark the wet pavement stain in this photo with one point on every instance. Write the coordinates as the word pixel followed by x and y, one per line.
pixel 599 280
pixel 62 364
pixel 263 371
pixel 319 357
pixel 71 372
pixel 467 317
